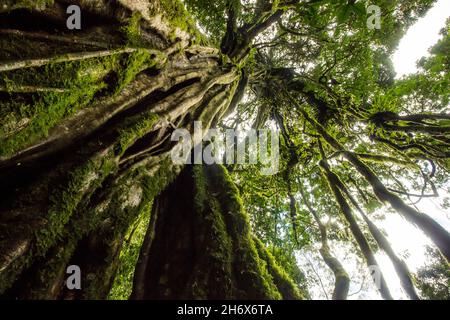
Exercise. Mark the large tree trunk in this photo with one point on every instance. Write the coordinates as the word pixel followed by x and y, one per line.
pixel 86 146
pixel 85 126
pixel 199 245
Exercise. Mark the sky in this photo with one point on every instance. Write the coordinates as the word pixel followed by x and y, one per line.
pixel 406 240
pixel 420 37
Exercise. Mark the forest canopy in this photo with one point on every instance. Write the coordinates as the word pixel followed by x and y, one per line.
pixel 89 109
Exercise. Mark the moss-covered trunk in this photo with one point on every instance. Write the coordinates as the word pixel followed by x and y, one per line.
pixel 85 124
pixel 199 245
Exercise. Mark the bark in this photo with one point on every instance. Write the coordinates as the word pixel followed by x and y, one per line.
pixel 414 122
pixel 63 181
pixel 21 64
pixel 355 229
pixel 200 245
pixel 342 280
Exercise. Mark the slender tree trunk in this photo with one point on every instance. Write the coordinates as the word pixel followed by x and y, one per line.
pixel 428 225
pixel 355 229
pixel 342 280
pixel 400 266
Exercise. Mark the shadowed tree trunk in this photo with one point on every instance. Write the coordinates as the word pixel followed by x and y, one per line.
pixel 399 265
pixel 199 245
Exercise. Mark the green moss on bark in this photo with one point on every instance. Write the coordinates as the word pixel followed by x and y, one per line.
pixel 9 5
pixel 134 129
pixel 30 118
pixel 252 276
pixel 209 252
pixel 82 181
pixel 74 216
pixel 112 275
pixel 282 280
pixel 179 18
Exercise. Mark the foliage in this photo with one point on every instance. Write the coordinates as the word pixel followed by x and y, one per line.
pixel 434 278
pixel 122 286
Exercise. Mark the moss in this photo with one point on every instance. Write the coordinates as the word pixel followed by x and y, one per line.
pixel 67 198
pixel 206 230
pixel 135 130
pixel 45 110
pixel 155 183
pixel 132 30
pixel 110 227
pixel 117 265
pixel 63 204
pixel 68 202
pixel 119 260
pixel 135 63
pixel 214 276
pixel 71 217
pixel 30 119
pixel 9 5
pixel 27 118
pixel 282 280
pixel 253 275
pixel 252 279
pixel 134 238
pixel 175 12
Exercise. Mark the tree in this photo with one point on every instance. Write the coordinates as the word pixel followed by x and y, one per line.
pixel 433 279
pixel 85 148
